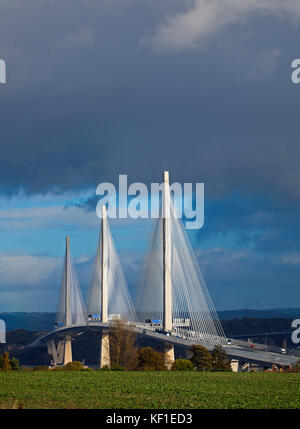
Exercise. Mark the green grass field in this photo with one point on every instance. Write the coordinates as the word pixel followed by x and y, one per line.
pixel 100 389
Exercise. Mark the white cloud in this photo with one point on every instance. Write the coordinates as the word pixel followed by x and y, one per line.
pixel 291 258
pixel 83 259
pixel 205 18
pixel 47 217
pixel 25 270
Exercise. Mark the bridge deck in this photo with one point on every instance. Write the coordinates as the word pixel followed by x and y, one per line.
pixel 238 352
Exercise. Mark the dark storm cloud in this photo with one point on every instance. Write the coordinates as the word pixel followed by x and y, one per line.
pixel 249 280
pixel 88 99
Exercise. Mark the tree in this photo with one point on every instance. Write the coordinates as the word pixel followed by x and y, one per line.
pixel 122 338
pixel 220 359
pixel 201 358
pixel 297 366
pixel 6 366
pixel 10 364
pixel 150 360
pixel 15 363
pixel 182 365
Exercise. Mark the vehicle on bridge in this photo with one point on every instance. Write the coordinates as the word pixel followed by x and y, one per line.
pixel 94 317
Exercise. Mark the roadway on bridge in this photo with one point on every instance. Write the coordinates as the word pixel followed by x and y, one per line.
pixel 242 353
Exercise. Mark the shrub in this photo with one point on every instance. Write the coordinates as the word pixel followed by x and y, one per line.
pixel 150 360
pixel 41 368
pixel 73 366
pixel 15 364
pixel 182 365
pixel 201 358
pixel 297 365
pixel 220 359
pixel 118 368
pixel 25 368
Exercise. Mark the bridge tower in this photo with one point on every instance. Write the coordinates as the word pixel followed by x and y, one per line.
pixel 167 279
pixel 104 342
pixel 62 352
pixel 68 339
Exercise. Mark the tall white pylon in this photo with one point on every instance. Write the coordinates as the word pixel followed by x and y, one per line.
pixel 108 295
pixel 172 288
pixel 104 291
pixel 104 340
pixel 67 269
pixel 71 309
pixel 68 339
pixel 167 280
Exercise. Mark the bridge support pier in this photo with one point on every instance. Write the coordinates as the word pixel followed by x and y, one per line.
pixel 57 352
pixel 67 349
pixel 62 352
pixel 104 349
pixel 234 365
pixel 169 355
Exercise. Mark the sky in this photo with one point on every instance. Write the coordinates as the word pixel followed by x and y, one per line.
pixel 98 88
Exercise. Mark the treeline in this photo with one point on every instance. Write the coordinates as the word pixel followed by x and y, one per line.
pixel 125 355
pixel 146 359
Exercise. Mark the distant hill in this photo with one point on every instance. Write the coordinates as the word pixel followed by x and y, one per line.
pixel 283 313
pixel 45 321
pixel 28 321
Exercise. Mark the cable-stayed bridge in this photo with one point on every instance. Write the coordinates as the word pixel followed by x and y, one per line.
pixel 172 305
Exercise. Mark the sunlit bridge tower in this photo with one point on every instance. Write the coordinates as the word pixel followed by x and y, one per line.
pixel 167 278
pixel 108 297
pixel 173 297
pixel 67 269
pixel 104 341
pixel 71 311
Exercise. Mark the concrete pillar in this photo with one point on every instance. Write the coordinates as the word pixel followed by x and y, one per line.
pixel 104 267
pixel 104 339
pixel 234 365
pixel 67 349
pixel 57 352
pixel 104 349
pixel 169 355
pixel 68 320
pixel 167 281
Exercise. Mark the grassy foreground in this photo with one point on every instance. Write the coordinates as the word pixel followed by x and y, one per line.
pixel 100 389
